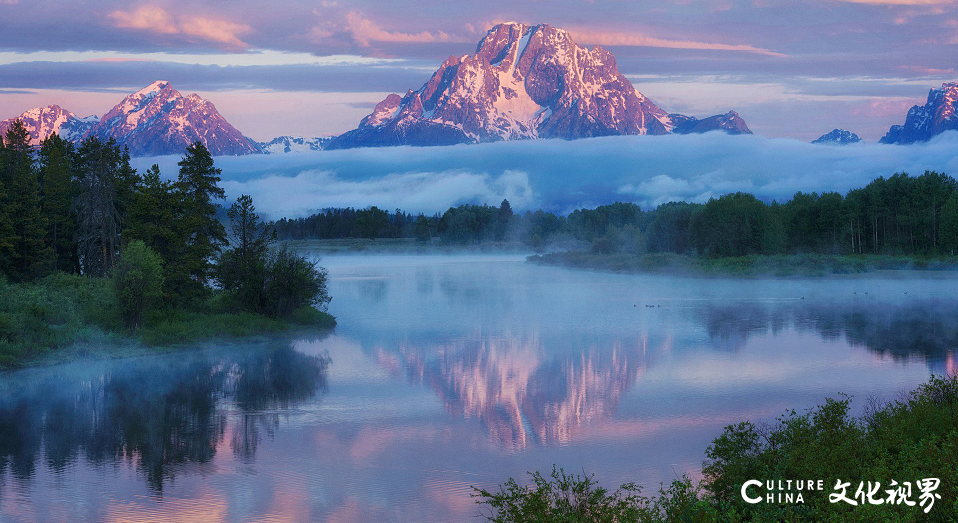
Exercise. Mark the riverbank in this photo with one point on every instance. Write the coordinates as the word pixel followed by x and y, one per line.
pixel 400 246
pixel 799 265
pixel 65 316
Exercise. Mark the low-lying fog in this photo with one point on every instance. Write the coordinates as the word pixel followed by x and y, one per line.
pixel 560 175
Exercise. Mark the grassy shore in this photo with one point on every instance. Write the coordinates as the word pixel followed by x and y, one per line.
pixel 746 266
pixel 64 316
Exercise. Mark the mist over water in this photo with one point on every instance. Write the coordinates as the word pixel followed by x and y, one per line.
pixel 451 371
pixel 560 175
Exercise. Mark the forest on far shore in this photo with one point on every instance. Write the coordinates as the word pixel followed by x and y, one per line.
pixel 901 215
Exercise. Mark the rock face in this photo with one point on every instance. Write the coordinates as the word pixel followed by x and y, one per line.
pixel 152 121
pixel 292 144
pixel 44 121
pixel 523 82
pixel 926 121
pixel 838 137
pixel 729 122
pixel 159 120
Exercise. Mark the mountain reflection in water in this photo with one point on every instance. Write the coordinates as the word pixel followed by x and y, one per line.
pixel 451 371
pixel 526 394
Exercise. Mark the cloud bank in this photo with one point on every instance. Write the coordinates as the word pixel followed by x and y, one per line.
pixel 560 176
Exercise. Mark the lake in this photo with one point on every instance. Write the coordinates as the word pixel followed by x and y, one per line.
pixel 447 372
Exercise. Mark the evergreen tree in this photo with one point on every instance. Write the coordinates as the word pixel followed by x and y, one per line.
pixel 242 269
pixel 98 216
pixel 156 217
pixel 6 220
pixel 58 190
pixel 30 253
pixel 198 179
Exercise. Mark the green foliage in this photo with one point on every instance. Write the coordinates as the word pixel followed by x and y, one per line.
pixel 291 282
pixel 242 268
pixel 28 254
pixel 51 313
pixel 563 498
pixel 913 438
pixel 59 190
pixel 371 222
pixel 735 225
pixel 138 282
pixel 104 175
pixel 198 184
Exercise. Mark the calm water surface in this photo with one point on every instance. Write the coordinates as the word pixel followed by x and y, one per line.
pixel 446 372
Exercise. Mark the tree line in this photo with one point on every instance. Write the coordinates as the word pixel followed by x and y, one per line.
pixel 83 209
pixel 900 215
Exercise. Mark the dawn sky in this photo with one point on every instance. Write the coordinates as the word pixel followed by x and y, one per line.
pixel 791 69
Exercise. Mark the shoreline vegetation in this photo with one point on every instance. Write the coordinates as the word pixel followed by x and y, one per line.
pixel 899 222
pixel 98 259
pixel 749 266
pixel 913 439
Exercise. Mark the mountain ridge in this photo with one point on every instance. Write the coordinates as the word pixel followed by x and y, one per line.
pixel 155 120
pixel 523 82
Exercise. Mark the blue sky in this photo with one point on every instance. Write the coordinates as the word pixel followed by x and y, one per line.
pixel 791 69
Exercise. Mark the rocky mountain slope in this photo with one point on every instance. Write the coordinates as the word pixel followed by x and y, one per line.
pixel 523 82
pixel 44 121
pixel 926 121
pixel 837 137
pixel 153 121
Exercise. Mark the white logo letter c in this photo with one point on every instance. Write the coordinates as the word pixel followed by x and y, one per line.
pixel 748 484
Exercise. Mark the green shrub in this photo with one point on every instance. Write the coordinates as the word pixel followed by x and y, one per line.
pixel 137 282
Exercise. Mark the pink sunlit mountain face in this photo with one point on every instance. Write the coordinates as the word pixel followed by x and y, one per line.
pixel 923 122
pixel 153 121
pixel 523 82
pixel 159 120
pixel 44 121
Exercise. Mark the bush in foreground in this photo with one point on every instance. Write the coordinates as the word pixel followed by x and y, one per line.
pixel 908 440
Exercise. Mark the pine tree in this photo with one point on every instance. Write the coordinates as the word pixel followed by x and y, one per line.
pixel 156 217
pixel 58 189
pixel 198 179
pixel 242 269
pixel 98 219
pixel 30 254
pixel 6 220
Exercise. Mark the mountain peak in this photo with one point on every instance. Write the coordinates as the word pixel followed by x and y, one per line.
pixel 926 121
pixel 159 120
pixel 41 122
pixel 838 137
pixel 523 82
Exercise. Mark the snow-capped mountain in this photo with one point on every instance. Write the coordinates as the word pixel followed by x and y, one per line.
pixel 44 121
pixel 152 121
pixel 729 122
pixel 925 121
pixel 159 120
pixel 838 137
pixel 523 82
pixel 292 144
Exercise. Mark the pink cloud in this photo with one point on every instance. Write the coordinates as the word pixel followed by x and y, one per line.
pixel 641 40
pixel 365 30
pixel 147 17
pixel 157 20
pixel 220 31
